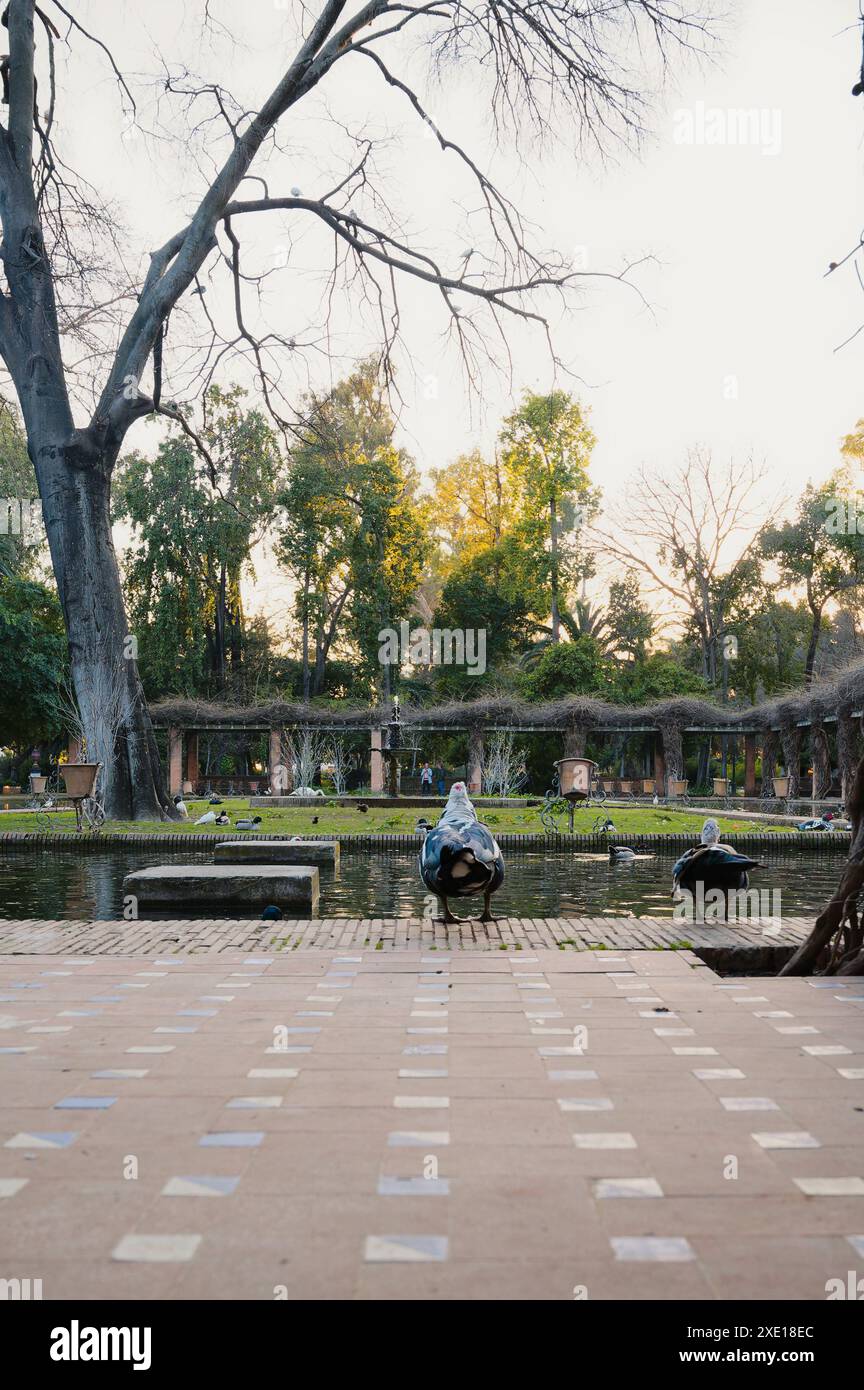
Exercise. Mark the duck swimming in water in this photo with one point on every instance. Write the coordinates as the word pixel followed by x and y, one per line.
pixel 713 865
pixel 460 856
pixel 621 854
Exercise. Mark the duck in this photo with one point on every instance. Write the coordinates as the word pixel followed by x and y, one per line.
pixel 215 800
pixel 712 865
pixel 181 808
pixel 247 824
pixel 314 820
pixel 208 818
pixel 422 825
pixel 608 827
pixel 271 914
pixel 621 854
pixel 460 855
pixel 223 818
pixel 362 807
pixel 824 822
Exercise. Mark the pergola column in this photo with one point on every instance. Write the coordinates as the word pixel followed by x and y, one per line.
pixel 280 775
pixel 790 739
pixel 175 760
pixel 475 762
pixel 376 762
pixel 659 766
pixel 750 765
pixel 847 752
pixel 575 737
pixel 193 770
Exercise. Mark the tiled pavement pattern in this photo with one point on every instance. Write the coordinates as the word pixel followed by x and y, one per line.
pixel 384 933
pixel 354 1124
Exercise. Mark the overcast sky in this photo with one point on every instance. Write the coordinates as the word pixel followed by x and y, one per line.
pixel 738 349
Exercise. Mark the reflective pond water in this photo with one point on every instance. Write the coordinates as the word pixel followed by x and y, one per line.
pixel 63 885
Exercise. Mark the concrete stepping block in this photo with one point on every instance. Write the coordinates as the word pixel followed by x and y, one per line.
pixel 251 884
pixel 324 853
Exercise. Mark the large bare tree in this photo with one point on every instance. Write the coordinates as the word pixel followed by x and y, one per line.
pixel 554 65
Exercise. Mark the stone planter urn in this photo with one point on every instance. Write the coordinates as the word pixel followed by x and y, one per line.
pixel 720 785
pixel 781 786
pixel 677 787
pixel 574 776
pixel 37 783
pixel 79 778
pixel 648 786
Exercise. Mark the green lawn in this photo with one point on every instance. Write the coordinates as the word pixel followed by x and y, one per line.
pixel 399 820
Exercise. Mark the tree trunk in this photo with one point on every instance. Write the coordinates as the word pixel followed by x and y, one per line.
pixel 553 576
pixel 116 722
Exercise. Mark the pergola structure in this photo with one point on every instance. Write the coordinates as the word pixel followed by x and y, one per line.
pixel 777 729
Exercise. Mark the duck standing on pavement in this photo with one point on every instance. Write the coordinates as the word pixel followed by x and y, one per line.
pixel 460 856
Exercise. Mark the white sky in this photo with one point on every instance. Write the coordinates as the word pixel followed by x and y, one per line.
pixel 742 236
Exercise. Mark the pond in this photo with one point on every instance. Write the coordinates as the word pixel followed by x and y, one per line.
pixel 54 885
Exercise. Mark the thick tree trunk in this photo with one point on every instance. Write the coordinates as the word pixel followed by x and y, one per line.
pixel 116 722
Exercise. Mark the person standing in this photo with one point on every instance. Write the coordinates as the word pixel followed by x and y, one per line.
pixel 441 780
pixel 426 778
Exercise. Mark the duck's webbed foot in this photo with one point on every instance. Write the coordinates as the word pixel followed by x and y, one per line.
pixel 446 914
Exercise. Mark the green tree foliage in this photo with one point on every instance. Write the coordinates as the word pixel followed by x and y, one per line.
pixel 546 448
pixel 352 532
pixel 17 483
pixel 194 527
pixel 570 668
pixel 818 552
pixel 34 664
pixel 629 621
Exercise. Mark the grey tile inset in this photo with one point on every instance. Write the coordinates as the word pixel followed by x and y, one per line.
pixel 405 1249
pixel 232 1139
pixel 42 1139
pixel 413 1187
pixel 417 1138
pixel 792 1139
pixel 831 1187
pixel 627 1187
pixel 609 1139
pixel 667 1249
pixel 748 1103
pixel 200 1187
pixel 86 1103
pixel 156 1249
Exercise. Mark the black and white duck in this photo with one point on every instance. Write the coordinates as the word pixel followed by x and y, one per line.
pixel 460 856
pixel 712 864
pixel 247 823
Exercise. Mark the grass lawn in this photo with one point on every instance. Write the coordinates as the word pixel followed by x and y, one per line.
pixel 401 820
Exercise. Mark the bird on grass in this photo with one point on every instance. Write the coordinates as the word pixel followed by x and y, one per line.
pixel 215 800
pixel 607 827
pixel 181 808
pixel 314 820
pixel 211 818
pixel 712 865
pixel 361 806
pixel 247 824
pixel 823 822
pixel 460 856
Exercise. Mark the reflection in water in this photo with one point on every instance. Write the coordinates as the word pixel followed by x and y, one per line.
pixel 57 884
